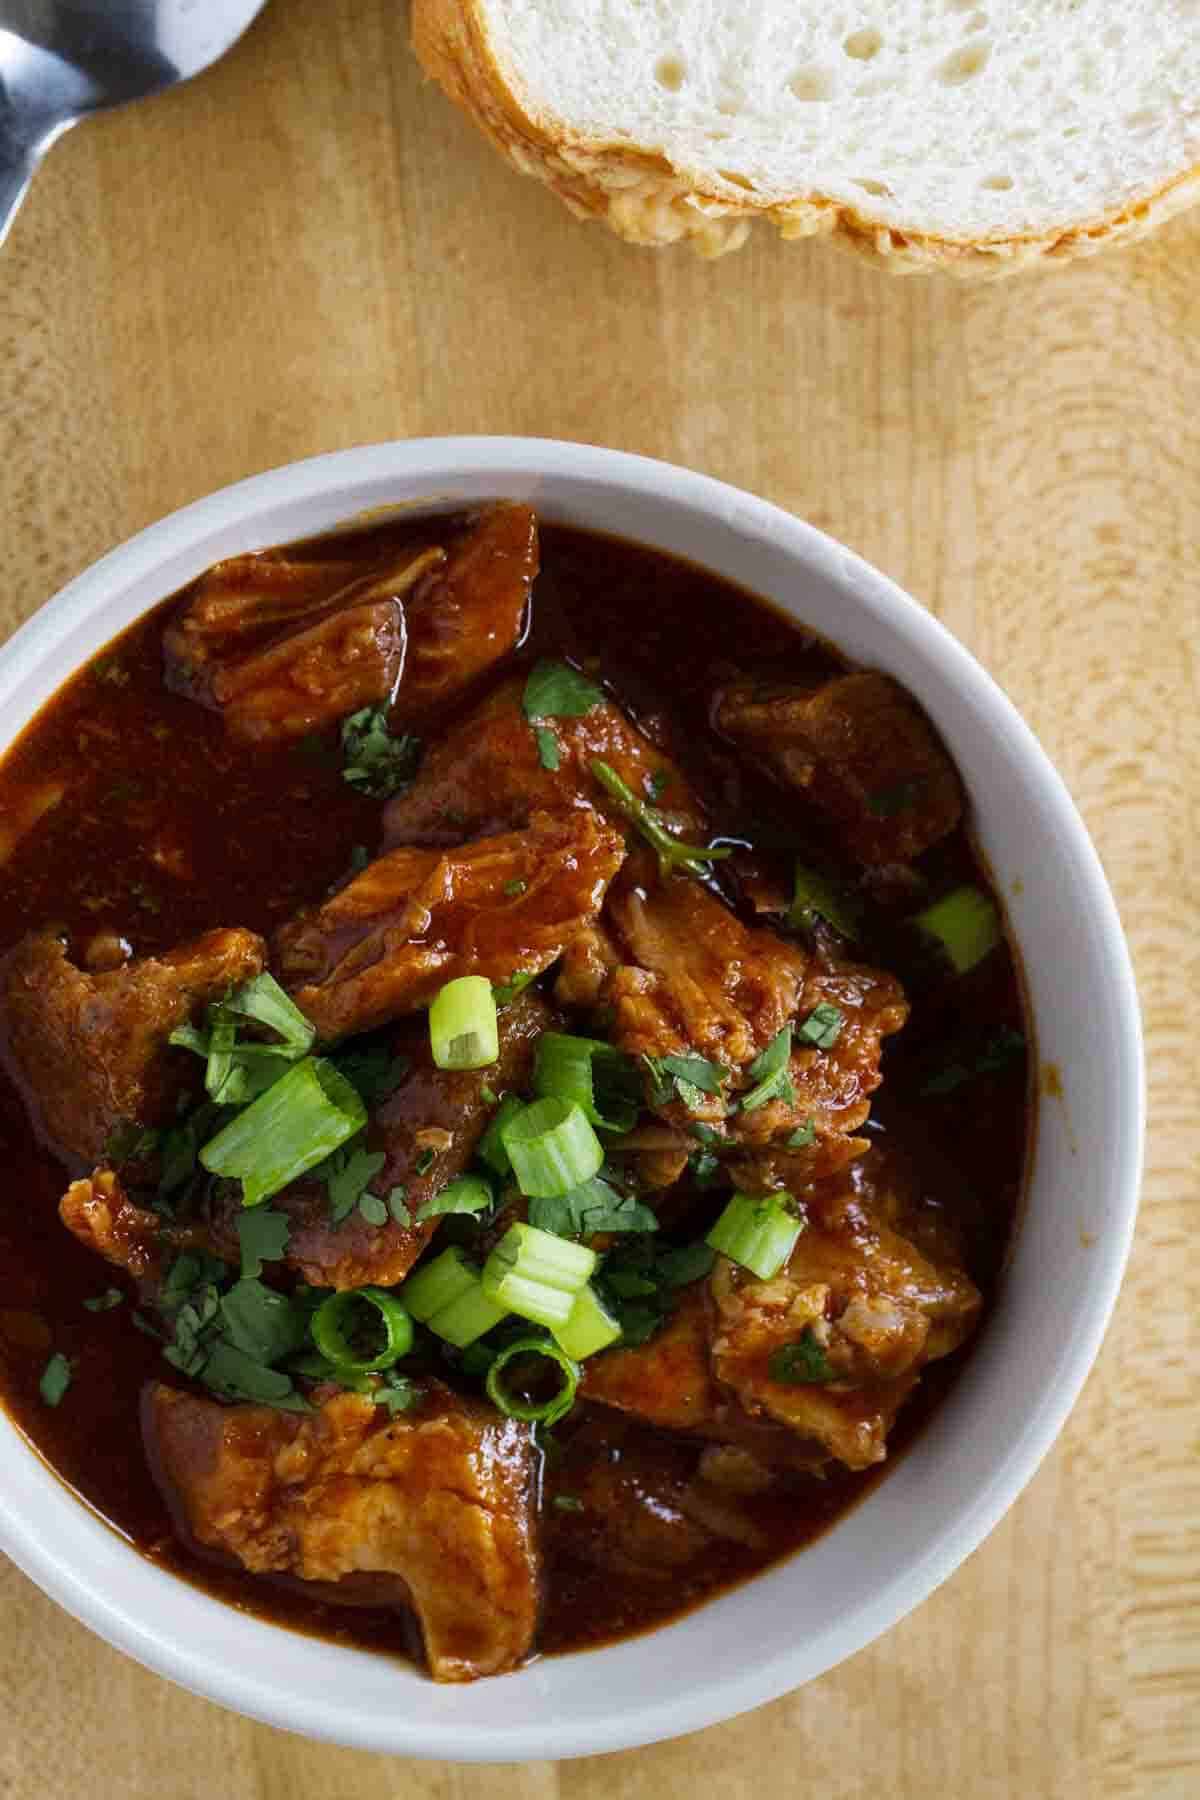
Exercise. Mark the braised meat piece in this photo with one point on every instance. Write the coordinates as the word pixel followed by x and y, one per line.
pixel 693 978
pixel 486 773
pixel 860 749
pixel 416 919
pixel 665 1382
pixel 438 1113
pixel 349 659
pixel 283 647
pixel 101 1215
pixel 464 618
pixel 440 1499
pixel 91 1050
pixel 831 1087
pixel 861 1310
pixel 641 1507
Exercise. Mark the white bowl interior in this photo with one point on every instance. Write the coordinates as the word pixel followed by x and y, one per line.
pixel 981 1447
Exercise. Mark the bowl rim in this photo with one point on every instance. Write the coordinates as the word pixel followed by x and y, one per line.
pixel 83 1584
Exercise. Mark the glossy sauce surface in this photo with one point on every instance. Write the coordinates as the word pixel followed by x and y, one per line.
pixel 165 828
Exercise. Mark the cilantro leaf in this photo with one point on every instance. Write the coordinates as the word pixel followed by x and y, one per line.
pixel 801 1363
pixel 547 747
pixel 372 1071
pixel 768 1071
pixel 593 1206
pixel 803 1136
pixel 375 762
pixel 238 1376
pixel 346 1174
pixel 554 690
pixel 261 1322
pixel 396 1206
pixel 469 1194
pixel 823 1026
pixel 815 896
pixel 697 1070
pixel 263 1235
pixel 373 1209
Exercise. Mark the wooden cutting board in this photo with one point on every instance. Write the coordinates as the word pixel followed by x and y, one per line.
pixel 308 249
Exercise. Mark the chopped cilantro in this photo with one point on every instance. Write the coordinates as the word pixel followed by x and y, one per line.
pixel 375 762
pixel 517 982
pixel 469 1194
pixel 106 1301
pixel 594 1206
pixel 515 887
pixel 815 896
pixel 696 1070
pixel 346 1174
pixel 1003 1049
pixel 397 1392
pixel 262 1322
pixel 372 1071
pixel 823 1026
pixel 373 1209
pixel 56 1379
pixel 263 1235
pixel 803 1136
pixel 801 1363
pixel 554 690
pixel 657 784
pixel 704 1134
pixel 705 1167
pixel 396 1202
pixel 769 1073
pixel 236 1375
pixel 547 747
pixel 640 1283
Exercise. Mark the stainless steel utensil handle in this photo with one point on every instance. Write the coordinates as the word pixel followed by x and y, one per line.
pixel 17 163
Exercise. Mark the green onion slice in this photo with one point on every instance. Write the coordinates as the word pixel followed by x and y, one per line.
pixel 288 1130
pixel 447 1295
pixel 552 1148
pixel 575 1068
pixel 964 924
pixel 591 1327
pixel 537 1275
pixel 463 1030
pixel 490 1149
pixel 341 1323
pixel 672 852
pixel 758 1232
pixel 547 1412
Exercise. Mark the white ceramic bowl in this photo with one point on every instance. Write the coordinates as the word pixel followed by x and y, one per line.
pixel 1001 1417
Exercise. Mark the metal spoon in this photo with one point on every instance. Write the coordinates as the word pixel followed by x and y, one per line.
pixel 60 59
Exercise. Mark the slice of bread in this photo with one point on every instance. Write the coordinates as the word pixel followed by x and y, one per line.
pixel 969 135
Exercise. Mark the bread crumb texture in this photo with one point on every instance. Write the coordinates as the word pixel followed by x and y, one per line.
pixel 974 136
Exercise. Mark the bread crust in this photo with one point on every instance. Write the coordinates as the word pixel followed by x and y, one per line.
pixel 643 198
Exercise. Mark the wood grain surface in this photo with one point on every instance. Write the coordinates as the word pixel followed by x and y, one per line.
pixel 306 249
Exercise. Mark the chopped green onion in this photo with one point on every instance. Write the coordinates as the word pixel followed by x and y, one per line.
pixel 186 1037
pixel 823 1026
pixel 815 897
pixel 758 1232
pixel 465 1194
pixel 265 1001
pixel 288 1130
pixel 491 1145
pixel 672 853
pixel 341 1322
pixel 769 1072
pixel 462 1024
pixel 552 1148
pixel 571 1068
pixel 591 1327
pixel 447 1295
pixel 537 1275
pixel 964 923
pixel 546 1412
pixel 56 1379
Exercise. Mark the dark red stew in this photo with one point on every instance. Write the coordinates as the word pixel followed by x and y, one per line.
pixel 515 1086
